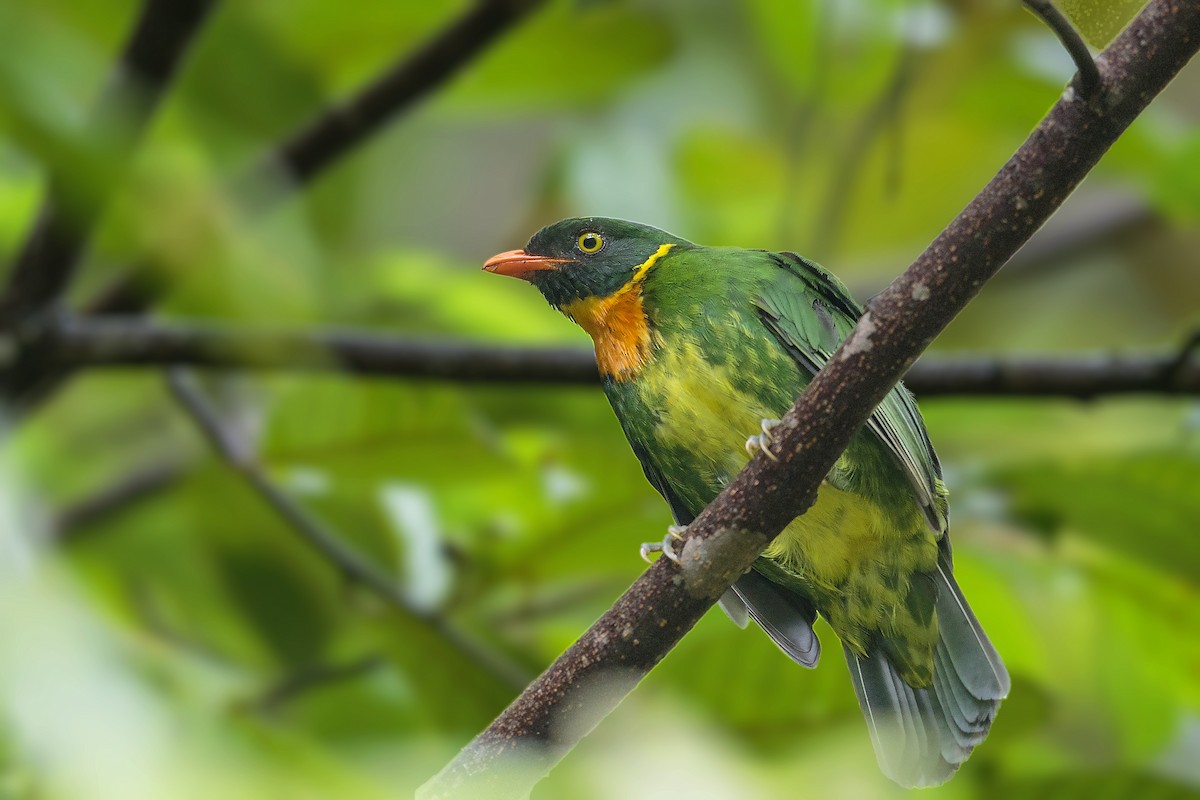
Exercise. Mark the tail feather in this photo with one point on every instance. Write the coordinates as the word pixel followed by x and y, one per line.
pixel 734 608
pixel 975 660
pixel 906 724
pixel 964 713
pixel 921 736
pixel 944 747
pixel 784 615
pixel 916 743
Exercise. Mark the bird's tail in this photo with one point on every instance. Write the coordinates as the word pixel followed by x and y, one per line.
pixel 921 736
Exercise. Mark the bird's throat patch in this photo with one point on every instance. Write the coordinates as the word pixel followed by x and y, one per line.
pixel 618 325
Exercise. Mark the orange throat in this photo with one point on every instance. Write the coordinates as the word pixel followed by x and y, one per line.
pixel 617 323
pixel 618 326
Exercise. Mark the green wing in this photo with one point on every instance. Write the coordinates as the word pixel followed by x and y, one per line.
pixel 810 312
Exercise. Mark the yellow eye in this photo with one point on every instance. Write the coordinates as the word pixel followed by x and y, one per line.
pixel 590 242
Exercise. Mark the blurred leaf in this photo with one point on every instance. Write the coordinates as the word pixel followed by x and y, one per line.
pixel 1139 504
pixel 606 46
pixel 1177 180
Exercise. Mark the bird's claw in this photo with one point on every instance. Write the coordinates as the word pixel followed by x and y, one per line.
pixel 756 443
pixel 760 441
pixel 666 546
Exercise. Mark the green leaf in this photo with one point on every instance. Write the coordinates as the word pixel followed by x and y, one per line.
pixel 1141 505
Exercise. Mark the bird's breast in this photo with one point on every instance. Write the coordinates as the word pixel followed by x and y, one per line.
pixel 699 405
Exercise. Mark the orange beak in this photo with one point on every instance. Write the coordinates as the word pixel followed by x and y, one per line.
pixel 519 264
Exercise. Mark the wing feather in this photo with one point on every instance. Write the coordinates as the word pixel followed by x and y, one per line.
pixel 810 312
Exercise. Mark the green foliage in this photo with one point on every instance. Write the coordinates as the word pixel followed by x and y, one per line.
pixel 1177 184
pixel 1138 504
pixel 192 645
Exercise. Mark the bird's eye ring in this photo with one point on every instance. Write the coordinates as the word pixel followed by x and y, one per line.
pixel 590 242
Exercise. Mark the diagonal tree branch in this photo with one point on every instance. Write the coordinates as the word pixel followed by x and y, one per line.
pixel 82 342
pixel 591 678
pixel 316 534
pixel 48 259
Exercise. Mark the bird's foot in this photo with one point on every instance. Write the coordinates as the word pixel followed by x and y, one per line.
pixel 762 440
pixel 666 546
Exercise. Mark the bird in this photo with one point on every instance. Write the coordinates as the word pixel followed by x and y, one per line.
pixel 697 347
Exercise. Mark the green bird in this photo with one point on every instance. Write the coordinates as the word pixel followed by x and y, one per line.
pixel 699 347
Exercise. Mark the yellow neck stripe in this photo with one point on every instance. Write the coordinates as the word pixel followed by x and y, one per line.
pixel 639 272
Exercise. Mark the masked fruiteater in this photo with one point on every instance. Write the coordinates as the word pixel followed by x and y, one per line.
pixel 699 347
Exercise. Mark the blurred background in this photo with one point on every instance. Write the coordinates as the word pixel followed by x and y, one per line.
pixel 165 634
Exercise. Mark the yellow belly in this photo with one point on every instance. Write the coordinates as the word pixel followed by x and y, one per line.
pixel 698 405
pixel 839 533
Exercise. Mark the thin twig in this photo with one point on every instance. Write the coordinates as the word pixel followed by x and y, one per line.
pixel 1086 222
pixel 1176 371
pixel 590 679
pixel 127 491
pixel 48 259
pixel 342 127
pixel 883 110
pixel 805 118
pixel 1078 377
pixel 315 678
pixel 80 342
pixel 1089 74
pixel 154 619
pixel 316 534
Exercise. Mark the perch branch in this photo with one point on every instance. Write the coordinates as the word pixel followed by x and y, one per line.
pixel 350 563
pixel 596 672
pixel 1089 74
pixel 47 261
pixel 83 342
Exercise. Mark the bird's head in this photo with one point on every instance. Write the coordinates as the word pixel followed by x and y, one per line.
pixel 585 258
